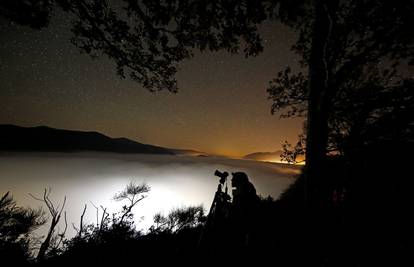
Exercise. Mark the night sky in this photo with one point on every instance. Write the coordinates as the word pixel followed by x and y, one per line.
pixel 221 106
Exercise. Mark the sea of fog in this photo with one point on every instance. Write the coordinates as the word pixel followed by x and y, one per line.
pixel 93 178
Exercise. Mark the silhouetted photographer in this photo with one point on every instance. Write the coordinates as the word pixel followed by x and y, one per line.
pixel 231 224
pixel 243 214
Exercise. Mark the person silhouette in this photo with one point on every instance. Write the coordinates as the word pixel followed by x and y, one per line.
pixel 244 208
pixel 231 223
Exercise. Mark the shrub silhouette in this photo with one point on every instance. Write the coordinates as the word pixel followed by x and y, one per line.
pixel 16 228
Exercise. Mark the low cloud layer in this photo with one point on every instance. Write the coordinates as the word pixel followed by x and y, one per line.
pixel 87 178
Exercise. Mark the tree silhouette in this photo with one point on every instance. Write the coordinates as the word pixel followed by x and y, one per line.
pixel 133 194
pixel 51 241
pixel 146 39
pixel 351 49
pixel 179 219
pixel 33 13
pixel 294 154
pixel 16 227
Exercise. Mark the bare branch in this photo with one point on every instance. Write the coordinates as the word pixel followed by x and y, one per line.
pixel 97 213
pixel 75 228
pixel 103 218
pixel 56 213
pixel 62 235
pixel 81 221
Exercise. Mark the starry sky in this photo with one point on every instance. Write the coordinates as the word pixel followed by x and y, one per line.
pixel 221 107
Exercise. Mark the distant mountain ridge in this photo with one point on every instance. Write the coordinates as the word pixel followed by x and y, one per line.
pixel 188 152
pixel 264 156
pixel 43 138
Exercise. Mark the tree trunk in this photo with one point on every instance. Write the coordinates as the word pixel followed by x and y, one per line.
pixel 317 123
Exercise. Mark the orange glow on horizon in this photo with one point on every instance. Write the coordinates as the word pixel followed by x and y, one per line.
pixel 283 162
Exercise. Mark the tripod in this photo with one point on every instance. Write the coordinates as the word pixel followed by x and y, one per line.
pixel 219 209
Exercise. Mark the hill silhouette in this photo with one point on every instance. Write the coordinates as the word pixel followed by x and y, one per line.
pixel 42 138
pixel 264 156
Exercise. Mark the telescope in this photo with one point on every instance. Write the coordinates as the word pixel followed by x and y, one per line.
pixel 220 196
pixel 222 175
